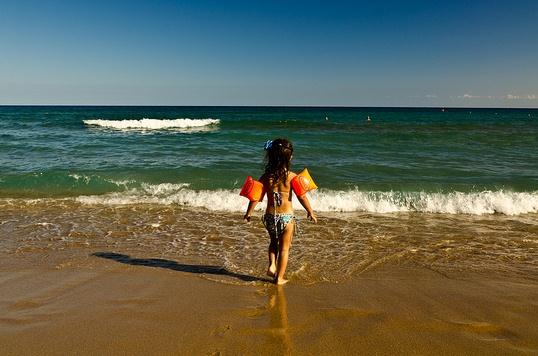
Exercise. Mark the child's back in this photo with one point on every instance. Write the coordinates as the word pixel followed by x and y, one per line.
pixel 279 194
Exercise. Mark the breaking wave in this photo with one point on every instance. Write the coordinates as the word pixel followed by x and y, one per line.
pixel 153 124
pixel 475 203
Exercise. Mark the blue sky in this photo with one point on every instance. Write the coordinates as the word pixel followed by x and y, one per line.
pixel 342 53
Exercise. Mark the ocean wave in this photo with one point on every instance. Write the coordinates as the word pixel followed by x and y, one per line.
pixel 475 203
pixel 168 194
pixel 86 179
pixel 153 124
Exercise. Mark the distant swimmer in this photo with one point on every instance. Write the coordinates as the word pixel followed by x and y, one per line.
pixel 368 118
pixel 326 118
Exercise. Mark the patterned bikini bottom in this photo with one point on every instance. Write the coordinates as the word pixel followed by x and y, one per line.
pixel 276 223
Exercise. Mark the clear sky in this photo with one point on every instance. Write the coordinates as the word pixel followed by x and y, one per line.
pixel 472 53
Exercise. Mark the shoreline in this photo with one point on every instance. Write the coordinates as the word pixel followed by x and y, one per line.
pixel 111 307
pixel 337 248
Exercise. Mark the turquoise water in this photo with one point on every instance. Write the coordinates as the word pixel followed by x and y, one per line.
pixel 456 161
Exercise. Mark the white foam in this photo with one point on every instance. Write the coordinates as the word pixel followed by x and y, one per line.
pixel 168 194
pixel 86 180
pixel 79 178
pixel 152 124
pixel 477 203
pixel 45 224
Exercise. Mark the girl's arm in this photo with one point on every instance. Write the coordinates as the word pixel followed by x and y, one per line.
pixel 306 205
pixel 250 209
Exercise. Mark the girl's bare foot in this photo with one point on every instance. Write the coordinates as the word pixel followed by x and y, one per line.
pixel 271 271
pixel 281 281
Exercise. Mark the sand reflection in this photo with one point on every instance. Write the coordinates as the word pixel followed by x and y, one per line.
pixel 278 312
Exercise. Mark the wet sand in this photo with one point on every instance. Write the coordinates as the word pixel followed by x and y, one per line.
pixel 150 279
pixel 122 303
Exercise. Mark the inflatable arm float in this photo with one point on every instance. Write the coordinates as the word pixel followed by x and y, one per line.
pixel 303 183
pixel 252 190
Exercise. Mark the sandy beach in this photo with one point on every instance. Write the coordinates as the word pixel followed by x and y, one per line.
pixel 117 303
pixel 151 279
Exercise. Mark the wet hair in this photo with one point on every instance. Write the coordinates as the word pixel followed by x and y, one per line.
pixel 278 158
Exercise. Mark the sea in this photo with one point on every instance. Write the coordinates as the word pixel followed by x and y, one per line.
pixel 454 190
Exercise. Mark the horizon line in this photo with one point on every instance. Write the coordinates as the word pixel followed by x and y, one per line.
pixel 276 106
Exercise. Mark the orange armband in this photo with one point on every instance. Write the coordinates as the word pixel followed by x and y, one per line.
pixel 252 190
pixel 303 183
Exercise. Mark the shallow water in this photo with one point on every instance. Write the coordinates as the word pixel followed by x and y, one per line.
pixel 340 246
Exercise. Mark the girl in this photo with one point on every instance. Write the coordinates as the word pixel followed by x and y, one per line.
pixel 278 218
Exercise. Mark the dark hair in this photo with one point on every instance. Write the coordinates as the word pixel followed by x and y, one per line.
pixel 278 158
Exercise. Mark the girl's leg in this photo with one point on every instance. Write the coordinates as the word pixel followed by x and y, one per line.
pixel 283 250
pixel 273 253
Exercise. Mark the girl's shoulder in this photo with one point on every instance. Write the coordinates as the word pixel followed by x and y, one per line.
pixel 291 175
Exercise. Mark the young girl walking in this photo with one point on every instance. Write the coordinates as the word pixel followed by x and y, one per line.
pixel 278 218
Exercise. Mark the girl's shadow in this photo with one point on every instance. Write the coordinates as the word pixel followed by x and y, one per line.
pixel 173 265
